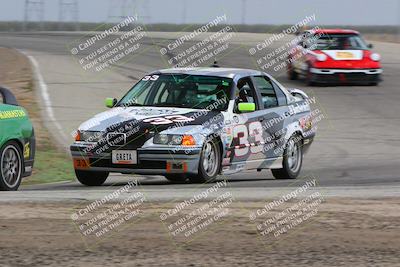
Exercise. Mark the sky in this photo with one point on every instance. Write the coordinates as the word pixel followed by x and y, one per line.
pixel 328 12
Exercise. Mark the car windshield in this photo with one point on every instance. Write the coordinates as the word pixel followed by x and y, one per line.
pixel 182 91
pixel 338 42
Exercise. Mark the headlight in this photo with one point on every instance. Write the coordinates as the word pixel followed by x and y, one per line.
pixel 321 57
pixel 161 139
pixel 375 57
pixel 174 139
pixel 90 136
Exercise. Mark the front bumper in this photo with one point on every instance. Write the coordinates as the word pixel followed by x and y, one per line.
pixel 346 75
pixel 149 161
pixel 29 151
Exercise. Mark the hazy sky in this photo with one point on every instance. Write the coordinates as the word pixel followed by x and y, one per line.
pixel 355 12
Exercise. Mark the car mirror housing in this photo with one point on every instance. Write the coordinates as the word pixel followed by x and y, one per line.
pixel 110 102
pixel 298 93
pixel 7 97
pixel 370 46
pixel 246 107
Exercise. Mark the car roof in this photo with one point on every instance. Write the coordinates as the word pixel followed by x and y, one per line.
pixel 333 31
pixel 232 73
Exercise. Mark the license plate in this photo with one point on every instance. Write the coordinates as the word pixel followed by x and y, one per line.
pixel 345 55
pixel 124 157
pixel 81 163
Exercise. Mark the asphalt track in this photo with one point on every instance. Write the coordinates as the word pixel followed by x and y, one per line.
pixel 356 150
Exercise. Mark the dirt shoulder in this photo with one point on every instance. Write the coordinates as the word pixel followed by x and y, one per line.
pixel 51 163
pixel 382 37
pixel 344 232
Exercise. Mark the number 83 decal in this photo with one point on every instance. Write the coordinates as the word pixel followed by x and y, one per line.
pixel 255 132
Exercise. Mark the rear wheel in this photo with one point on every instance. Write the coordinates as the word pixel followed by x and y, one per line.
pixel 209 164
pixel 292 160
pixel 11 165
pixel 91 178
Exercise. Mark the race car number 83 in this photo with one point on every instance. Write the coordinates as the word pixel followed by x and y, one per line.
pixel 242 133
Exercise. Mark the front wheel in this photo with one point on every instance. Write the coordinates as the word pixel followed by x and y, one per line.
pixel 292 160
pixel 10 167
pixel 209 164
pixel 309 77
pixel 292 74
pixel 91 178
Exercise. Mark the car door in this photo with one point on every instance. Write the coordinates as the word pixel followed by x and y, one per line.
pixel 247 130
pixel 273 116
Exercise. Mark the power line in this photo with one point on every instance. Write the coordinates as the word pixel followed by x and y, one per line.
pixel 68 8
pixel 34 8
pixel 122 9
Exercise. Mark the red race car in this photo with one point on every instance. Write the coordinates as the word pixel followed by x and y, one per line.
pixel 334 56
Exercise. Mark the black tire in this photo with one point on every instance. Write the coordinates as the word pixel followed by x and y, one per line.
pixel 292 74
pixel 91 178
pixel 309 77
pixel 206 176
pixel 11 166
pixel 289 171
pixel 176 178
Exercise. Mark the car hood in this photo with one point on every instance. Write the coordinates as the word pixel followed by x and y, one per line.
pixel 119 116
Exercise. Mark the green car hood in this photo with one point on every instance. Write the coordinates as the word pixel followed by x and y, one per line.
pixel 14 123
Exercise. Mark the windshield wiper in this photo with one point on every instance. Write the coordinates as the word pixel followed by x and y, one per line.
pixel 130 105
pixel 168 105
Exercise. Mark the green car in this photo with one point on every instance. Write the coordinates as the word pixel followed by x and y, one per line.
pixel 17 142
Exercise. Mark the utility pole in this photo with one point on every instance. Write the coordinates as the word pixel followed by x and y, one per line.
pixel 398 19
pixel 144 11
pixel 34 8
pixel 184 11
pixel 244 6
pixel 68 9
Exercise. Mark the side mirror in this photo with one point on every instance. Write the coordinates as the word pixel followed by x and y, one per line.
pixel 110 102
pixel 298 93
pixel 370 46
pixel 7 97
pixel 246 107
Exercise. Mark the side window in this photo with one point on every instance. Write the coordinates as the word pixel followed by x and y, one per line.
pixel 282 100
pixel 245 92
pixel 267 91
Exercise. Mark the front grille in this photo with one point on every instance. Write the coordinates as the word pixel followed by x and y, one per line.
pixel 347 77
pixel 116 139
